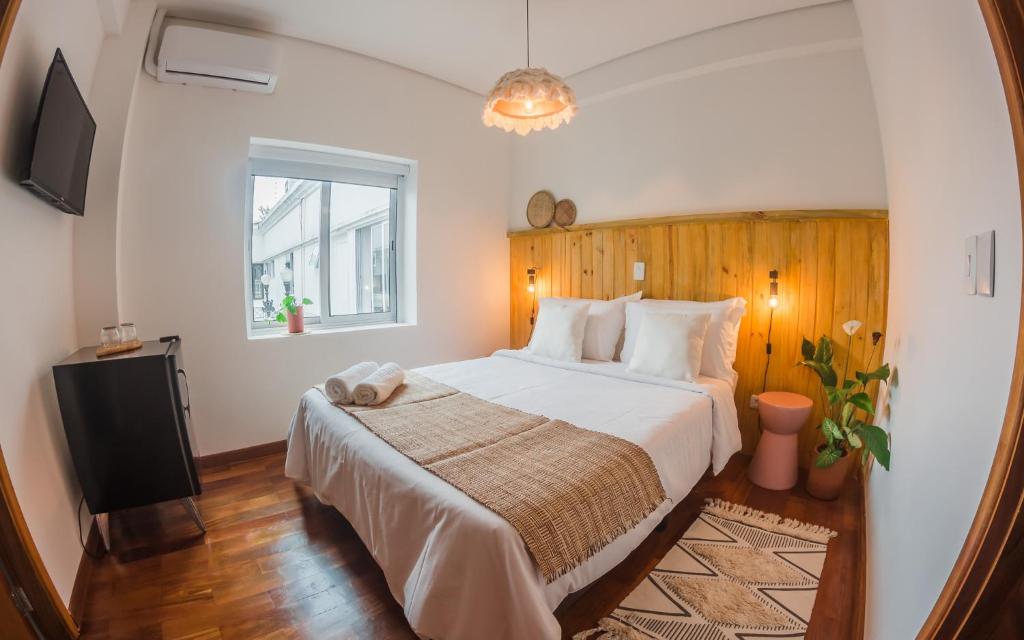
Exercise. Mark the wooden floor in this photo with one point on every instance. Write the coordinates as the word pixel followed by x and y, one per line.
pixel 276 563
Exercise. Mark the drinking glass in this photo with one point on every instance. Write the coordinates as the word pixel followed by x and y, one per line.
pixel 109 336
pixel 127 332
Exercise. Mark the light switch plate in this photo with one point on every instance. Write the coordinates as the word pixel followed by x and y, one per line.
pixel 970 278
pixel 986 261
pixel 638 270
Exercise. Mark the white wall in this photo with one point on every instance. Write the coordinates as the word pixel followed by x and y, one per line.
pixel 181 234
pixel 951 173
pixel 110 102
pixel 772 113
pixel 36 242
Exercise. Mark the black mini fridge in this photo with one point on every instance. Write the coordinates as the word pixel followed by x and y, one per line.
pixel 128 425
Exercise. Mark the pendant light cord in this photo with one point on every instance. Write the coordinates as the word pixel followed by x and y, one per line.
pixel 527 34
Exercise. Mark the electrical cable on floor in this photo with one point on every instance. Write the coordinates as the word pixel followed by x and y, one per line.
pixel 78 516
pixel 767 361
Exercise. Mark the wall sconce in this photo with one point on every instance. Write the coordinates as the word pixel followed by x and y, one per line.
pixel 773 289
pixel 531 287
pixel 773 303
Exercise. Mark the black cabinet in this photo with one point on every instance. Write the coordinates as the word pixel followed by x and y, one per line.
pixel 127 422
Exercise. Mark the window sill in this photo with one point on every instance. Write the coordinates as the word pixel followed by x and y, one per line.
pixel 315 330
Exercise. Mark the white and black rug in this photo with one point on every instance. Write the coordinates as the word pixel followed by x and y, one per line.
pixel 736 574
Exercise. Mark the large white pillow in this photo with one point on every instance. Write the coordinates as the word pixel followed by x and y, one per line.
pixel 605 321
pixel 719 352
pixel 559 330
pixel 669 345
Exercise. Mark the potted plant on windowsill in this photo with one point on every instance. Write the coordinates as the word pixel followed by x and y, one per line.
pixel 291 312
pixel 848 408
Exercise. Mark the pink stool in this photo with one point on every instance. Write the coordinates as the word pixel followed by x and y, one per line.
pixel 783 414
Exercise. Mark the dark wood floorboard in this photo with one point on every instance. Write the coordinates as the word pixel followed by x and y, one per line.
pixel 277 564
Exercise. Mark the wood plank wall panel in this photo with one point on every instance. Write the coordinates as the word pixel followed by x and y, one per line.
pixel 833 267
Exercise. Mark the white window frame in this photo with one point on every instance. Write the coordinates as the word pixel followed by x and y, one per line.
pixel 327 168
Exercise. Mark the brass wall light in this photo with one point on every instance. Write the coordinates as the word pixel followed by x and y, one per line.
pixel 531 287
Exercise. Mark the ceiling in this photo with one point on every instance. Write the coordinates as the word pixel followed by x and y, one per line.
pixel 470 43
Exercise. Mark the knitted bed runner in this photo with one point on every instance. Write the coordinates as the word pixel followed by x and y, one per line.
pixel 567 491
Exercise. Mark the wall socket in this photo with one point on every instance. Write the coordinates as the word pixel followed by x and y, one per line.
pixel 638 271
pixel 754 401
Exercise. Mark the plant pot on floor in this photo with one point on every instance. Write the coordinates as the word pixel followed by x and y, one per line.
pixel 827 483
pixel 296 323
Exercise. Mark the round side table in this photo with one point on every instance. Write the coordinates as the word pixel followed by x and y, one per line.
pixel 783 415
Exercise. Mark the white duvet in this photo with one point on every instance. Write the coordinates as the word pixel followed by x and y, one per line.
pixel 459 570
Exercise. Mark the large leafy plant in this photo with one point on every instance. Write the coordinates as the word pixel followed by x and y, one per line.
pixel 848 407
pixel 291 305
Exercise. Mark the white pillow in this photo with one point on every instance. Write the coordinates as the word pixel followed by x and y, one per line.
pixel 559 330
pixel 723 330
pixel 669 345
pixel 605 321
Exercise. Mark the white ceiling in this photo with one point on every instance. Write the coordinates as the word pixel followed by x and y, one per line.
pixel 470 43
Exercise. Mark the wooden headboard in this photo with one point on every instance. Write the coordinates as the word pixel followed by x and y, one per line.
pixel 833 267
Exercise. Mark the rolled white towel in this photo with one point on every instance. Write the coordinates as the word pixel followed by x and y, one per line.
pixel 379 386
pixel 340 386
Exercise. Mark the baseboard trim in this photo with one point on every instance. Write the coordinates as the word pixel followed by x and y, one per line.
pixel 83 578
pixel 225 458
pixel 860 602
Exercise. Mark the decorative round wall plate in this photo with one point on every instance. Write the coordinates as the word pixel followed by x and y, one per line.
pixel 565 212
pixel 541 209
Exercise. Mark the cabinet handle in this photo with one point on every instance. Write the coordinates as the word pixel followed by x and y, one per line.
pixel 188 396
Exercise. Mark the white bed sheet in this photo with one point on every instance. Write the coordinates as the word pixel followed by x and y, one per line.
pixel 458 569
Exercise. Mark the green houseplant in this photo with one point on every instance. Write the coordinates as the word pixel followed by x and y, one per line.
pixel 290 311
pixel 848 410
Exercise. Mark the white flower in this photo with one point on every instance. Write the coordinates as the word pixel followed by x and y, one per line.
pixel 851 327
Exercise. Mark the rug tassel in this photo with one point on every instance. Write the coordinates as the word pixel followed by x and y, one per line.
pixel 771 521
pixel 608 629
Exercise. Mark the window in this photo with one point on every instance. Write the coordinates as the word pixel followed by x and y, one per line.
pixel 324 232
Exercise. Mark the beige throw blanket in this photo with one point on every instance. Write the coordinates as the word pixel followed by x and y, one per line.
pixel 566 490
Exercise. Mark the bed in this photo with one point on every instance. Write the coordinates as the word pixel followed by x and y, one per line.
pixel 458 569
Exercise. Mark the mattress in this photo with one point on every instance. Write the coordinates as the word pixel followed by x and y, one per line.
pixel 458 569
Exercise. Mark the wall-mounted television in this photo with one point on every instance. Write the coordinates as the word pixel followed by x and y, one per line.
pixel 62 138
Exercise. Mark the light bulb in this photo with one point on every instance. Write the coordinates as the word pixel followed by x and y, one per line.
pixel 530 288
pixel 529 105
pixel 773 301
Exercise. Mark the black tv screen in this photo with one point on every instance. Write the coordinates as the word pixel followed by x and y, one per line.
pixel 62 142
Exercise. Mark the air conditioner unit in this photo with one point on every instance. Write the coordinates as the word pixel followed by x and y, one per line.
pixel 211 58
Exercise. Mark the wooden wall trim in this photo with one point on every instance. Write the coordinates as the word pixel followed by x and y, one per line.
pixel 83 578
pixel 8 11
pixel 860 593
pixel 831 270
pixel 974 596
pixel 726 216
pixel 23 560
pixel 225 458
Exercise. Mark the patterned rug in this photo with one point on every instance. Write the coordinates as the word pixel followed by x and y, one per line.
pixel 736 574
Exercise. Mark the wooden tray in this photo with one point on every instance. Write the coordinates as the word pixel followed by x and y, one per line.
pixel 540 210
pixel 111 349
pixel 565 213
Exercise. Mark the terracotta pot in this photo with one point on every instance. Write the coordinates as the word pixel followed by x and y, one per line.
pixel 827 483
pixel 296 324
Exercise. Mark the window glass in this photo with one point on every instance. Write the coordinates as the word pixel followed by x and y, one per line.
pixel 285 244
pixel 323 229
pixel 360 245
